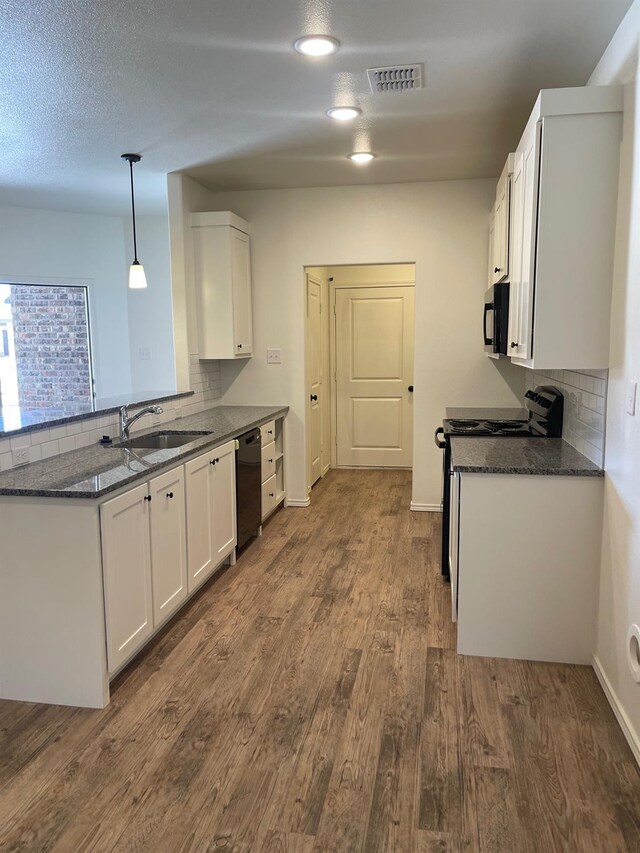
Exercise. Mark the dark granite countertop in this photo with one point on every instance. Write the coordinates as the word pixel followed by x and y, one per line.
pixel 477 413
pixel 15 420
pixel 95 471
pixel 547 456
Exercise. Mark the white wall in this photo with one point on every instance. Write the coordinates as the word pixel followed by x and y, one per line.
pixel 443 228
pixel 151 310
pixel 40 245
pixel 185 197
pixel 620 572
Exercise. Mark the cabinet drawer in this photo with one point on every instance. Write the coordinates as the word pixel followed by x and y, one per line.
pixel 269 496
pixel 268 461
pixel 268 432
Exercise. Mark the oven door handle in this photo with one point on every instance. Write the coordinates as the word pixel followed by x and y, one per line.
pixel 489 306
pixel 440 444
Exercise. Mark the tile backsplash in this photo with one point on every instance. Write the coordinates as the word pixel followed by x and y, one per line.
pixel 52 441
pixel 585 400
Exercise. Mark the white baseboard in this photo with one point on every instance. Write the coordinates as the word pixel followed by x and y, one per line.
pixel 621 715
pixel 294 502
pixel 416 507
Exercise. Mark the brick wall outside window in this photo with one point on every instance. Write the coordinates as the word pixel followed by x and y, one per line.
pixel 52 344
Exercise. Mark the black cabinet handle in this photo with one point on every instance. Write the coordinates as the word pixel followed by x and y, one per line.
pixel 270 460
pixel 147 498
pixel 169 494
pixel 514 345
pixel 314 396
pixel 410 389
pixel 239 346
pixel 496 269
pixel 212 462
pixel 271 495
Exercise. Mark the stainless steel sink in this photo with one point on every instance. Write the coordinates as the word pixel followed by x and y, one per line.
pixel 163 440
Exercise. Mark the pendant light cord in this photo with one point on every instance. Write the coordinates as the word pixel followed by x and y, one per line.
pixel 133 215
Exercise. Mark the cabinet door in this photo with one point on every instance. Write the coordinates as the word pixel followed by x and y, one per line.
pixel 490 273
pixel 168 543
pixel 530 150
pixel 126 569
pixel 224 501
pixel 200 557
pixel 515 252
pixel 454 540
pixel 241 282
pixel 501 231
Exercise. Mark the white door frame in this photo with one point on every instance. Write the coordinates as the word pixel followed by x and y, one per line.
pixel 307 375
pixel 333 385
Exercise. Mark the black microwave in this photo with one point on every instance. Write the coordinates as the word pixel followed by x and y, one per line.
pixel 495 321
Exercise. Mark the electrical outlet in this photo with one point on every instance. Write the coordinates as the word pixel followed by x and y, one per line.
pixel 144 353
pixel 21 456
pixel 631 398
pixel 274 356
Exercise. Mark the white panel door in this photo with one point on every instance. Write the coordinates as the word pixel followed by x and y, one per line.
pixel 127 574
pixel 241 283
pixel 200 557
pixel 315 388
pixel 168 543
pixel 374 376
pixel 224 501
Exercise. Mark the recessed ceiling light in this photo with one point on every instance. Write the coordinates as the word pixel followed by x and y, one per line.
pixel 316 45
pixel 344 113
pixel 361 156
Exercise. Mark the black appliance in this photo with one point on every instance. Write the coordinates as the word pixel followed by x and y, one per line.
pixel 545 406
pixel 495 320
pixel 248 486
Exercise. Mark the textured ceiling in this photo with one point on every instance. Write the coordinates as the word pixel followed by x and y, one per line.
pixel 213 87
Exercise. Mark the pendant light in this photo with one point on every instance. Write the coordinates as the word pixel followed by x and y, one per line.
pixel 137 278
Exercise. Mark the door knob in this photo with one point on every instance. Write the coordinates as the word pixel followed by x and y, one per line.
pixel 410 389
pixel 314 397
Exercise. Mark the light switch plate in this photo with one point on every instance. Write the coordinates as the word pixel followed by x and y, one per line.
pixel 145 353
pixel 631 398
pixel 274 356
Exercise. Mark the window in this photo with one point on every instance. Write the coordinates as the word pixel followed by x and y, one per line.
pixel 45 341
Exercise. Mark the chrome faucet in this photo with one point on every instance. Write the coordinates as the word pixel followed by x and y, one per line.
pixel 126 422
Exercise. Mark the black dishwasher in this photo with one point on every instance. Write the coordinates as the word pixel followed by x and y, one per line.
pixel 248 486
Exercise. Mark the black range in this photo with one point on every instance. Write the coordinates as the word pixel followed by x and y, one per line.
pixel 545 408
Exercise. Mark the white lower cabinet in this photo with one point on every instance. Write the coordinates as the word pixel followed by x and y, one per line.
pixel 527 555
pixel 168 543
pixel 160 541
pixel 272 466
pixel 126 565
pixel 211 511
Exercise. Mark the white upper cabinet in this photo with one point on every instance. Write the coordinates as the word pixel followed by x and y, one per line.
pixel 222 272
pixel 563 217
pixel 501 218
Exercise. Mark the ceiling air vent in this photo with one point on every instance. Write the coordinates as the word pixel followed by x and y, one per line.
pixel 396 78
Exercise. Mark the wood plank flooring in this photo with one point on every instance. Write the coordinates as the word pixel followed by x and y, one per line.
pixel 311 699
